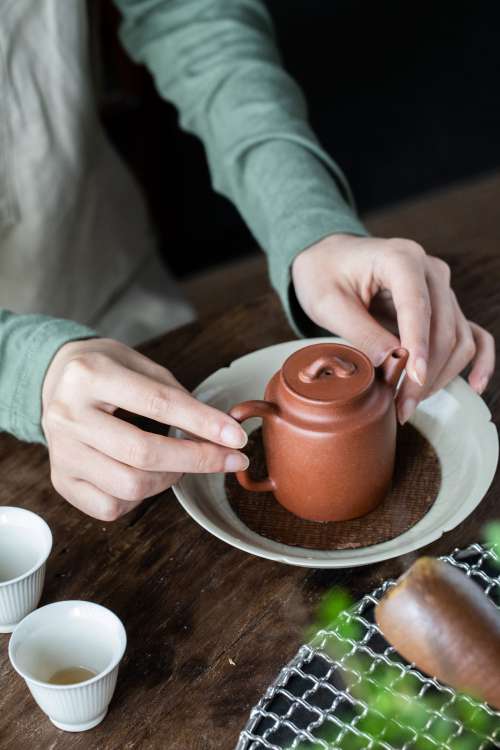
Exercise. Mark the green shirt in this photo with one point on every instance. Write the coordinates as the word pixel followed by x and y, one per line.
pixel 217 62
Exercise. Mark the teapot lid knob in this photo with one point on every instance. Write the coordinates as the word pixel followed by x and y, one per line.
pixel 326 367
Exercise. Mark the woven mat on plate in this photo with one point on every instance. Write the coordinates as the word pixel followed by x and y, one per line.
pixel 416 484
pixel 314 703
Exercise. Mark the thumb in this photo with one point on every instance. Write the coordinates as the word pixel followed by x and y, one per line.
pixel 346 316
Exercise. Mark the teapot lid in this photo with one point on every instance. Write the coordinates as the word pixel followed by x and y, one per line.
pixel 328 372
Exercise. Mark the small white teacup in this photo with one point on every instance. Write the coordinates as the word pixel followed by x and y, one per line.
pixel 25 544
pixel 63 637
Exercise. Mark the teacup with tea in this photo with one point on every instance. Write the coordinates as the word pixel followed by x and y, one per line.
pixel 69 653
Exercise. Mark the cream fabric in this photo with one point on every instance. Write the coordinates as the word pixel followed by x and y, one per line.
pixel 75 240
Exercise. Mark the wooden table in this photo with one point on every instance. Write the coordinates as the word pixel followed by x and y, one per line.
pixel 208 625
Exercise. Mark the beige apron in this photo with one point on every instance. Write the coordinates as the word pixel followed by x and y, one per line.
pixel 75 239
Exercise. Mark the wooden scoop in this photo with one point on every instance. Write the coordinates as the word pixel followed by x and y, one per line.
pixel 438 618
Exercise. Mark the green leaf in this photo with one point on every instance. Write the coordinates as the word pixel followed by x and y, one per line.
pixel 492 537
pixel 334 603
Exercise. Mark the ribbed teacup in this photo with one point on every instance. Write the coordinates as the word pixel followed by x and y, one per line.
pixel 62 636
pixel 25 544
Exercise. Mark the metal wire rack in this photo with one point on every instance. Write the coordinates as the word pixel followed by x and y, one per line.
pixel 321 698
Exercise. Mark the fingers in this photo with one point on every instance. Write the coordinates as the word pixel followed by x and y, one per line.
pixel 91 500
pixel 484 361
pixel 111 477
pixel 464 350
pixel 402 271
pixel 346 315
pixel 136 448
pixel 110 383
pixel 453 347
pixel 106 488
pixel 134 360
pixel 450 335
pixel 154 453
pixel 442 335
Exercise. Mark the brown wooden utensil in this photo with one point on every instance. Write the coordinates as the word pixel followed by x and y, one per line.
pixel 443 622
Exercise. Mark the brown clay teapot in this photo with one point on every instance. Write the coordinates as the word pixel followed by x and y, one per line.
pixel 329 431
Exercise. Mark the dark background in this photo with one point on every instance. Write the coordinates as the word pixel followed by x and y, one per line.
pixel 405 96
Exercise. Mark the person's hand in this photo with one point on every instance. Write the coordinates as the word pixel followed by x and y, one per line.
pixel 384 293
pixel 105 466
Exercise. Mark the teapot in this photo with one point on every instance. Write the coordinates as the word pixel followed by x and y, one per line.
pixel 329 431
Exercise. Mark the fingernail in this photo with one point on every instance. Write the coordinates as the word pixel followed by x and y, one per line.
pixel 233 436
pixel 420 371
pixel 407 409
pixel 236 462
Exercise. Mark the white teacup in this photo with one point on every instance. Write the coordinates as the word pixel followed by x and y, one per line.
pixel 25 544
pixel 66 635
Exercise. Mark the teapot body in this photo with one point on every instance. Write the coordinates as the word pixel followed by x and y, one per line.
pixel 329 431
pixel 332 469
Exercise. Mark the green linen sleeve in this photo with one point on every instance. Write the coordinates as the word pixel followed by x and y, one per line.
pixel 217 61
pixel 27 345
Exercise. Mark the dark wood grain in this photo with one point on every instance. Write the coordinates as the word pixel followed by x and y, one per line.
pixel 210 626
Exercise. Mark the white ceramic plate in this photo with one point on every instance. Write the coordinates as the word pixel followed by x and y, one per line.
pixel 456 421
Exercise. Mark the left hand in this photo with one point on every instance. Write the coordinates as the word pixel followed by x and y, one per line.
pixel 384 293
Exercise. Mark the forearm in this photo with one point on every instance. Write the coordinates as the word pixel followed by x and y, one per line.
pixel 298 205
pixel 218 63
pixel 27 345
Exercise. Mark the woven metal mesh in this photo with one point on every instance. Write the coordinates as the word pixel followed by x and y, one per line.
pixel 314 703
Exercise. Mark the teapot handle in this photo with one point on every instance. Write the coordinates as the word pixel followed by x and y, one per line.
pixel 241 412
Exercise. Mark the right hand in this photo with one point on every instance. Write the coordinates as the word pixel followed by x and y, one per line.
pixel 106 466
pixel 384 293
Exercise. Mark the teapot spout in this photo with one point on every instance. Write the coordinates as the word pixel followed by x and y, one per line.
pixel 393 366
